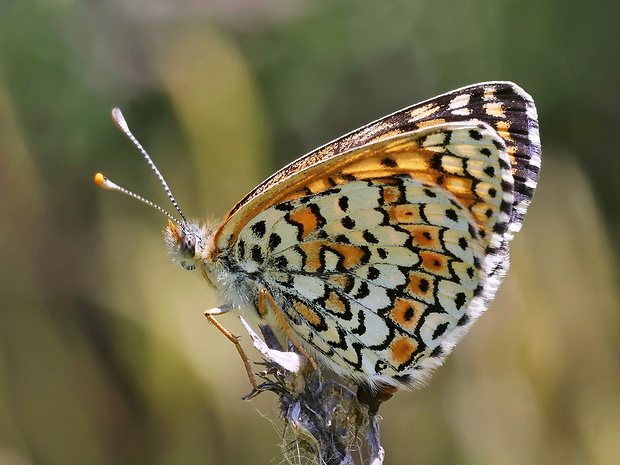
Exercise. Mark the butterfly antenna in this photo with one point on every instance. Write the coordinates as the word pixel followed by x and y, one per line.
pixel 105 183
pixel 119 119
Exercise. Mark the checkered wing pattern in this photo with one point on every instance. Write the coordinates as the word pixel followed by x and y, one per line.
pixel 384 246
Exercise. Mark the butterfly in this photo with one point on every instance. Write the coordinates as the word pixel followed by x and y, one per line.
pixel 376 252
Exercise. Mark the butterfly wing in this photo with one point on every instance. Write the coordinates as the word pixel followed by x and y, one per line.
pixel 502 105
pixel 381 256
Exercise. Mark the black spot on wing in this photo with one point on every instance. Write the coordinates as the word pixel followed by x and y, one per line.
pixel 274 240
pixel 259 228
pixel 348 222
pixel 389 162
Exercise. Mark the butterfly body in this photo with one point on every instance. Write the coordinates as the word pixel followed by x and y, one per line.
pixel 381 248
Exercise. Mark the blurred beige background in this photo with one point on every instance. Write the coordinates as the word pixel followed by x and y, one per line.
pixel 105 357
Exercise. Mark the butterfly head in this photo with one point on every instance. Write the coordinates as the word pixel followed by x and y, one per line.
pixel 185 242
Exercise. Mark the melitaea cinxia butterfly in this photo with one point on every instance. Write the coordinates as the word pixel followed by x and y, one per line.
pixel 377 251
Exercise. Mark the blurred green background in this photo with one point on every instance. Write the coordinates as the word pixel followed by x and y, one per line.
pixel 105 357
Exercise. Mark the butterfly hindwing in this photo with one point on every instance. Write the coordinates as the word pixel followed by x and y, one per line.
pixel 379 263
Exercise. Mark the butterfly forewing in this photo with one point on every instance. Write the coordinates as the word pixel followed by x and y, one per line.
pixel 504 106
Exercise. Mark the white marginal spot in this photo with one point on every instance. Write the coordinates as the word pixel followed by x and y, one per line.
pixel 489 93
pixel 521 207
pixel 535 160
pixel 462 112
pixel 423 112
pixel 459 101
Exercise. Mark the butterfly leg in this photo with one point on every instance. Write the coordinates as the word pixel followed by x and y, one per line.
pixel 262 308
pixel 209 314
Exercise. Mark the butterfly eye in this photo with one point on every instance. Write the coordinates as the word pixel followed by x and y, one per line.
pixel 188 245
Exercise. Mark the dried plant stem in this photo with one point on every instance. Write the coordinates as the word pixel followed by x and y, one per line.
pixel 323 421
